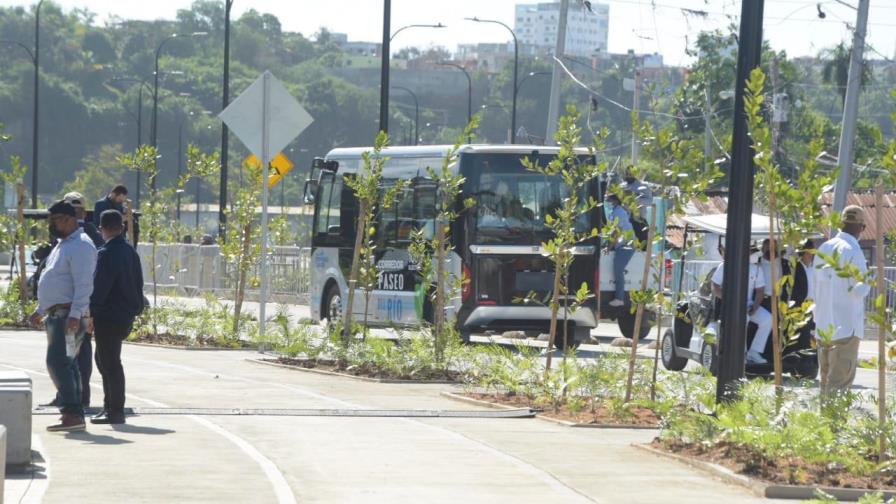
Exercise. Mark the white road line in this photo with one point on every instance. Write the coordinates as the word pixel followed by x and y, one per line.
pixel 275 477
pixel 545 476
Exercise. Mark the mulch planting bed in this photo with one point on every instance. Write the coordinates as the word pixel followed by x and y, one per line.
pixel 783 471
pixel 367 370
pixel 179 340
pixel 635 416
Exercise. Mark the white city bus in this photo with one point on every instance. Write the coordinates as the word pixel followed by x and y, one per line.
pixel 497 242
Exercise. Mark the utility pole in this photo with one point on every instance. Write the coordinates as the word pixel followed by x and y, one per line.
pixel 776 108
pixel 733 337
pixel 636 110
pixel 559 49
pixel 851 108
pixel 225 99
pixel 384 68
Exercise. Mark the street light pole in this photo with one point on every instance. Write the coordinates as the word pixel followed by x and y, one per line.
pixel 732 342
pixel 142 85
pixel 416 111
pixel 36 121
pixel 846 152
pixel 225 101
pixel 180 155
pixel 516 64
pixel 559 50
pixel 384 67
pixel 469 92
pixel 154 137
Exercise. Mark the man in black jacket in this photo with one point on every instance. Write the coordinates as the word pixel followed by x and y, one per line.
pixel 116 301
pixel 113 201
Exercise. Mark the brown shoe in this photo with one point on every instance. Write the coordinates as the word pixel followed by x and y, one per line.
pixel 70 422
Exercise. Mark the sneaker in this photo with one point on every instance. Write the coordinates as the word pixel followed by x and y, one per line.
pixel 755 357
pixel 70 422
pixel 617 303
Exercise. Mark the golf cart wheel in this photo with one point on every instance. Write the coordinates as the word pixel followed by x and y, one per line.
pixel 333 303
pixel 671 361
pixel 576 336
pixel 626 323
pixel 708 358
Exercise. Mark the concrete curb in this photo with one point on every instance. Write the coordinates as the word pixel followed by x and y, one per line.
pixel 567 423
pixel 760 488
pixel 197 349
pixel 350 376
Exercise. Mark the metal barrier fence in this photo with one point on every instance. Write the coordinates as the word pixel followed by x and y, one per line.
pixel 193 269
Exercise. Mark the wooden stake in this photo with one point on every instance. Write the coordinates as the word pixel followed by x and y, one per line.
pixel 881 330
pixel 129 219
pixel 20 241
pixel 773 281
pixel 639 313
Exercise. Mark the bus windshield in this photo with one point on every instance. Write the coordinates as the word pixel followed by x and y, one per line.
pixel 511 202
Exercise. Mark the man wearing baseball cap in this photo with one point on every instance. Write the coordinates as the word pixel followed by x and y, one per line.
pixel 77 200
pixel 840 302
pixel 63 296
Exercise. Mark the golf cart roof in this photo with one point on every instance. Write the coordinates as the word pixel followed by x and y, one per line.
pixel 717 223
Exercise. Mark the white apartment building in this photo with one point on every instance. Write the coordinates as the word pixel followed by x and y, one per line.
pixel 586 31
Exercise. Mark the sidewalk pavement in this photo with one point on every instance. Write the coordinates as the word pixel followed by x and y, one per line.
pixel 196 458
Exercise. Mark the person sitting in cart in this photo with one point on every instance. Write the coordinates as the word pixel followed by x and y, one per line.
pixel 756 313
pixel 617 215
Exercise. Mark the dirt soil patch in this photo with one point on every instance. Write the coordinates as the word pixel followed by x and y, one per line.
pixel 633 415
pixel 369 370
pixel 179 340
pixel 781 471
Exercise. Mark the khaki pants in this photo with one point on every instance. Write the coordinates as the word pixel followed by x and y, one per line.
pixel 841 360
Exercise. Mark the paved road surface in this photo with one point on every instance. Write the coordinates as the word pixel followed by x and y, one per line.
pixel 193 458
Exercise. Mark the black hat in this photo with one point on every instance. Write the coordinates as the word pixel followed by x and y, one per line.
pixel 62 208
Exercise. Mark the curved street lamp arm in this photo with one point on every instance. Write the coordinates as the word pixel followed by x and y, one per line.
pixel 23 46
pixel 396 32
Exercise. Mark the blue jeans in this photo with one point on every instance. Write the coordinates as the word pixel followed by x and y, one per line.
pixel 620 260
pixel 64 369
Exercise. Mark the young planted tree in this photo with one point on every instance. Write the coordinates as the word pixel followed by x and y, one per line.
pixel 794 211
pixel 241 247
pixel 366 185
pixel 433 256
pixel 19 235
pixel 575 174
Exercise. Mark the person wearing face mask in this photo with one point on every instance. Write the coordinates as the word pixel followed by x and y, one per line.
pixel 63 295
pixel 755 312
pixel 116 301
pixel 619 217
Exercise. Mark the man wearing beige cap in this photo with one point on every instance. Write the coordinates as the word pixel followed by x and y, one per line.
pixel 840 302
pixel 77 200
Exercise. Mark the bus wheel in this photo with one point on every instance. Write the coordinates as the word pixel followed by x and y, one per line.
pixel 333 303
pixel 626 323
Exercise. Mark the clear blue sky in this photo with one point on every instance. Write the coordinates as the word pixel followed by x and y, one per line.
pixel 644 25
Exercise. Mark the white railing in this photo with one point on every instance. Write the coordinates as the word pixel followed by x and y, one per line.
pixel 193 269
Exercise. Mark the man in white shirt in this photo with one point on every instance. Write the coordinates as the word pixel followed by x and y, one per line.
pixel 755 312
pixel 840 302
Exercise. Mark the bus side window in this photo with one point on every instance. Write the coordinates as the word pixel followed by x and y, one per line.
pixel 328 204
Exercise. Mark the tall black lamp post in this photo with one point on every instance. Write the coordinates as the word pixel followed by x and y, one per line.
pixel 225 101
pixel 469 91
pixel 516 64
pixel 416 111
pixel 154 138
pixel 740 205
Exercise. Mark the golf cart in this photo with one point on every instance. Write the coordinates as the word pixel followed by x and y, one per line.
pixel 696 327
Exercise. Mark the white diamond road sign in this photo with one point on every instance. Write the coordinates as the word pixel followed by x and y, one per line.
pixel 286 119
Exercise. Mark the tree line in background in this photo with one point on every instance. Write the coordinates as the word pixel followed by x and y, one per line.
pixel 89 112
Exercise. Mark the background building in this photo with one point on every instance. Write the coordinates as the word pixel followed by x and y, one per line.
pixel 586 30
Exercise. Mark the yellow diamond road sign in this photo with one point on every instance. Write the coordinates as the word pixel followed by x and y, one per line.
pixel 280 166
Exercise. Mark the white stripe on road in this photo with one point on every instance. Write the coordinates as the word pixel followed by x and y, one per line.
pixel 275 477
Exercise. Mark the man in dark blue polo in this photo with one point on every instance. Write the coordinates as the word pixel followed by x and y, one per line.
pixel 116 301
pixel 113 201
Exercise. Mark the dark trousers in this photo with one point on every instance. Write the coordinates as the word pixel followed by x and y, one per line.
pixel 85 370
pixel 109 337
pixel 62 368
